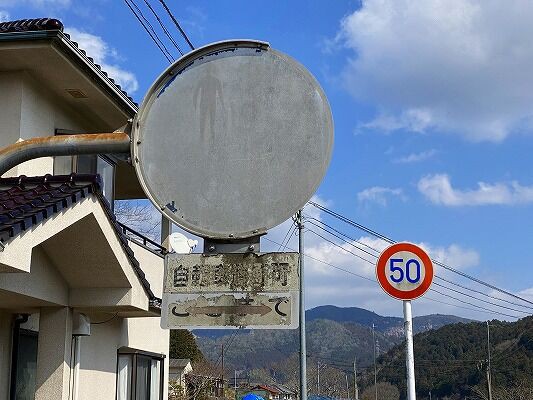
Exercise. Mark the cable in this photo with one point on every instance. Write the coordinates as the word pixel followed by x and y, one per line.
pixel 151 28
pixel 167 33
pixel 475 305
pixel 478 299
pixel 389 240
pixel 106 321
pixel 482 293
pixel 479 308
pixel 344 240
pixel 339 246
pixel 176 23
pixel 437 284
pixel 147 30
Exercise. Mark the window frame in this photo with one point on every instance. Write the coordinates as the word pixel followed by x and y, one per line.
pixel 134 354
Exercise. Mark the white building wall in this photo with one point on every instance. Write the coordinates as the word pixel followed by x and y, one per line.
pixel 28 110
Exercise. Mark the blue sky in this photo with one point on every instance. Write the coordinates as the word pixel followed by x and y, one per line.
pixel 432 103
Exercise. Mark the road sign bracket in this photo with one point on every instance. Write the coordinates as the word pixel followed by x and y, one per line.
pixel 217 246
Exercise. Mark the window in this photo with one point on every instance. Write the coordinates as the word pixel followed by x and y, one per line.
pixel 88 164
pixel 139 375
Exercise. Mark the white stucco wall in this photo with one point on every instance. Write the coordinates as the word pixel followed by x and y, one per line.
pixel 28 110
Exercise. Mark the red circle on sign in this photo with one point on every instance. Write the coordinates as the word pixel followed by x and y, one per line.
pixel 404 294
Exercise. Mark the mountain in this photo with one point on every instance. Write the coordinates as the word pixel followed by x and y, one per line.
pixel 387 325
pixel 451 361
pixel 333 333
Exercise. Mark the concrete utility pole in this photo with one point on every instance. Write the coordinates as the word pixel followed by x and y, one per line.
pixel 303 347
pixel 375 367
pixel 347 387
pixel 318 378
pixel 355 387
pixel 489 378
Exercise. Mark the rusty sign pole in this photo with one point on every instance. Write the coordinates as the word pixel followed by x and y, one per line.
pixel 303 347
pixel 63 145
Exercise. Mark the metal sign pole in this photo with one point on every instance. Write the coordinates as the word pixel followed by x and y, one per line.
pixel 303 348
pixel 410 356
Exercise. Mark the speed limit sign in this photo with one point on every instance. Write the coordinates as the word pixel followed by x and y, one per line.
pixel 404 271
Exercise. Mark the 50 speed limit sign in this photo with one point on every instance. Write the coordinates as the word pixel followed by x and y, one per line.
pixel 404 271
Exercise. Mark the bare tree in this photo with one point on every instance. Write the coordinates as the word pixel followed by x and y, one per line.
pixel 139 215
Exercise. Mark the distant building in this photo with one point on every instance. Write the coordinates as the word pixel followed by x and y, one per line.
pixel 80 293
pixel 177 369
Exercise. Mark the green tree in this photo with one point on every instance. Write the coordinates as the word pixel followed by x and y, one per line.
pixel 183 345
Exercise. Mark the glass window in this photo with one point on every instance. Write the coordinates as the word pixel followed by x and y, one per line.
pixel 124 377
pixel 138 377
pixel 26 365
pixel 106 169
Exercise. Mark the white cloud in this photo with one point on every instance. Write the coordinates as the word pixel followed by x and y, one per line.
pixel 416 157
pixel 458 66
pixel 439 190
pixel 4 16
pixel 379 195
pixel 106 56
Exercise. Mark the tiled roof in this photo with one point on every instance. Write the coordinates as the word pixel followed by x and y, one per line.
pixel 52 25
pixel 36 24
pixel 27 201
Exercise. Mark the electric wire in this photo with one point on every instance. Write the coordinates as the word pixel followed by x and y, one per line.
pixel 151 28
pixel 443 286
pixel 426 297
pixel 165 30
pixel 164 4
pixel 147 30
pixel 455 298
pixel 389 240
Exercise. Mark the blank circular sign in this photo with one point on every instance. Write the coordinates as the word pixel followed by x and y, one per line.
pixel 232 139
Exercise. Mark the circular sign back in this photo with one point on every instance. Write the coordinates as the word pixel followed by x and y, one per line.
pixel 404 271
pixel 232 139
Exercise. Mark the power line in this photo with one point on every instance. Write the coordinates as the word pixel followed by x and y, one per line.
pixel 437 284
pixel 147 30
pixel 151 28
pixel 478 299
pixel 167 33
pixel 389 240
pixel 164 4
pixel 477 309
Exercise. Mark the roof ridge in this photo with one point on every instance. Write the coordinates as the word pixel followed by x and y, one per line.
pixel 33 24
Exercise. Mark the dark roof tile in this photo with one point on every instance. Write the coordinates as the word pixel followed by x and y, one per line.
pixel 27 201
pixel 28 25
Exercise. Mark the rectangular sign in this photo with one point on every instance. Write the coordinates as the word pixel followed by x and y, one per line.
pixel 257 291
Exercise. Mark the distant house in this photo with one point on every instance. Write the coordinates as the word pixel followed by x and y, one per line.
pixel 266 392
pixel 178 368
pixel 285 393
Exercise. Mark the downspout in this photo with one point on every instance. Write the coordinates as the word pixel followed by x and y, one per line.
pixel 19 320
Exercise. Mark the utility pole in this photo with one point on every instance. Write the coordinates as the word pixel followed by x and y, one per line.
pixel 347 387
pixel 235 382
pixel 375 367
pixel 489 378
pixel 222 366
pixel 430 395
pixel 303 348
pixel 318 378
pixel 355 388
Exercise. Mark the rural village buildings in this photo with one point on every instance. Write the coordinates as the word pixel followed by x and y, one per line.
pixel 79 292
